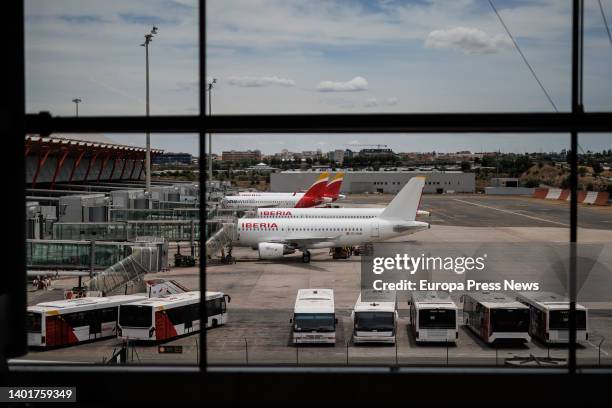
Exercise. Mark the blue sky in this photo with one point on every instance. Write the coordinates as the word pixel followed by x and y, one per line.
pixel 291 56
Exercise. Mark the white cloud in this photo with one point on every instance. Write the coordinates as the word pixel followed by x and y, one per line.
pixel 355 84
pixel 470 40
pixel 374 102
pixel 252 82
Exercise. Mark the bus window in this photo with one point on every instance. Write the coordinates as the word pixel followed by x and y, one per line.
pixel 510 320
pixel 559 319
pixel 33 322
pixel 78 319
pixel 437 318
pixel 215 307
pixel 382 321
pixel 314 321
pixel 135 316
pixel 108 315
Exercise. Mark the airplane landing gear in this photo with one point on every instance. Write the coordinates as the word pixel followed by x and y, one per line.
pixel 306 257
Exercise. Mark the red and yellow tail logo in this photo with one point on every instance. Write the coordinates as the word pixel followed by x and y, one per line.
pixel 314 195
pixel 332 190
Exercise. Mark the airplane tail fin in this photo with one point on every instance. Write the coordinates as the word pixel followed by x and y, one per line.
pixel 318 187
pixel 405 204
pixel 332 190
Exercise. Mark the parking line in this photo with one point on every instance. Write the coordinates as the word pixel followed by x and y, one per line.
pixel 511 212
pixel 597 348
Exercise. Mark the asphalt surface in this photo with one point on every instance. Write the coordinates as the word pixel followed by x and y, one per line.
pixel 263 293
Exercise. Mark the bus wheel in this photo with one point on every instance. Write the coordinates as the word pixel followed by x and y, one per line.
pixel 306 257
pixel 214 323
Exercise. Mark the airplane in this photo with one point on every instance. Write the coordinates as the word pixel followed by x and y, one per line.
pixel 276 237
pixel 313 196
pixel 320 212
pixel 331 193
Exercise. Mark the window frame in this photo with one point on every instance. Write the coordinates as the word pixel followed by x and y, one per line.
pixel 245 383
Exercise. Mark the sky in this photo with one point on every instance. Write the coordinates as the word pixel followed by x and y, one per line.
pixel 335 56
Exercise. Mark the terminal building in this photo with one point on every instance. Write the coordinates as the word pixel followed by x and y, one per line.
pixel 61 158
pixel 437 182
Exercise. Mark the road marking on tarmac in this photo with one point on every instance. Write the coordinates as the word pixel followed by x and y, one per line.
pixel 511 212
pixel 596 347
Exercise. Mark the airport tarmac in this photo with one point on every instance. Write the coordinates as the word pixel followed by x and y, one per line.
pixel 263 294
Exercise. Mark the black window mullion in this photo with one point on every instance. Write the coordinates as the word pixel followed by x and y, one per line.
pixel 203 193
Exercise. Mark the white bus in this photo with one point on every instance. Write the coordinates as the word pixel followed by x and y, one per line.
pixel 216 308
pixel 495 316
pixel 433 317
pixel 549 317
pixel 72 321
pixel 314 317
pixel 164 318
pixel 375 320
pixel 160 318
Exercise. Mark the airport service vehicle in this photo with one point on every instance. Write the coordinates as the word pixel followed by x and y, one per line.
pixel 319 212
pixel 276 237
pixel 314 317
pixel 375 321
pixel 164 318
pixel 495 316
pixel 331 192
pixel 72 321
pixel 433 316
pixel 313 196
pixel 549 317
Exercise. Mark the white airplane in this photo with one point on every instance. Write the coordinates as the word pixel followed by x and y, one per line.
pixel 330 194
pixel 275 237
pixel 313 196
pixel 320 212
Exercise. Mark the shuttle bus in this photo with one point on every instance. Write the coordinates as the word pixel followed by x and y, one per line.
pixel 375 321
pixel 164 318
pixel 314 317
pixel 72 321
pixel 495 316
pixel 433 317
pixel 549 317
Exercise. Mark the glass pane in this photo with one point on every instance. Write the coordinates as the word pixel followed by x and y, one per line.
pixel 597 55
pixel 594 261
pixel 86 57
pixel 493 218
pixel 399 56
pixel 98 242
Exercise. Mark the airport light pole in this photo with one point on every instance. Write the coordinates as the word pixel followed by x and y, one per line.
pixel 210 163
pixel 148 38
pixel 76 104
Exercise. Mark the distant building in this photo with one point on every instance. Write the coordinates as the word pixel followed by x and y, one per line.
pixel 390 182
pixel 376 153
pixel 336 156
pixel 173 158
pixel 235 155
pixel 263 168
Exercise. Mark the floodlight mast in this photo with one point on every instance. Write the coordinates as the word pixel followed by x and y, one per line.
pixel 76 103
pixel 210 163
pixel 148 38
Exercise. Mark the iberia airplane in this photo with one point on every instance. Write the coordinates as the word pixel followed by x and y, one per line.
pixel 330 194
pixel 275 237
pixel 313 196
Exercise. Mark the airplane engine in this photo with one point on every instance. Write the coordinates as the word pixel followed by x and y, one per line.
pixel 269 250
